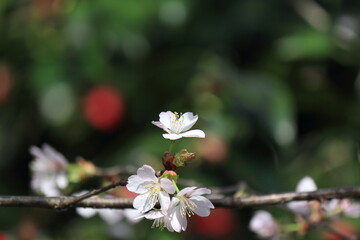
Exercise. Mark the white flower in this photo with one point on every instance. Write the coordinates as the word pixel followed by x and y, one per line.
pixel 178 125
pixel 49 171
pixel 263 224
pixel 306 184
pixel 187 203
pixel 150 188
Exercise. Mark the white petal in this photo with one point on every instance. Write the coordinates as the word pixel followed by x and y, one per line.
pixel 132 215
pixel 203 206
pixel 199 192
pixel 140 203
pixel 147 173
pixel 165 118
pixel 86 212
pixel 186 191
pixel 111 216
pixel 62 181
pixel 161 125
pixel 172 136
pixel 178 221
pixel 167 185
pixel 299 207
pixel 155 214
pixel 264 225
pixel 306 184
pixel 193 133
pixel 188 121
pixel 135 184
pixel 164 200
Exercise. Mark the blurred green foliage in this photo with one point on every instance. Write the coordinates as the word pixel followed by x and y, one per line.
pixel 275 84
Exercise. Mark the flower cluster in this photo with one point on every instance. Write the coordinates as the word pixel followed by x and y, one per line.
pixel 171 212
pixel 158 196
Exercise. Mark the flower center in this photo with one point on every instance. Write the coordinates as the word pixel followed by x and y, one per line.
pixel 176 123
pixel 153 194
pixel 187 207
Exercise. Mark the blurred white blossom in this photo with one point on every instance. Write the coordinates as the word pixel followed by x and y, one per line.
pixel 48 171
pixel 110 216
pixel 178 125
pixel 302 208
pixel 263 224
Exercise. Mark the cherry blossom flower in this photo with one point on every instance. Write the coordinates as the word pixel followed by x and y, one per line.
pixel 49 171
pixel 302 208
pixel 263 224
pixel 178 125
pixel 187 203
pixel 150 188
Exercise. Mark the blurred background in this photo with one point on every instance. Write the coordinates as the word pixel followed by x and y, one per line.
pixel 275 84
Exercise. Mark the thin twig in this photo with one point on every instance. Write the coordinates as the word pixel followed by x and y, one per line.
pixel 73 200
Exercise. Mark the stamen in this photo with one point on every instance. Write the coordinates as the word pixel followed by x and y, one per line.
pixel 187 207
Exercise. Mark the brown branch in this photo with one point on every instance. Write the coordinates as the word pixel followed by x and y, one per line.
pixel 65 203
pixel 217 200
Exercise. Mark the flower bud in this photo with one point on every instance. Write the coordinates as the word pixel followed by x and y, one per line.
pixel 81 170
pixel 183 157
pixel 168 161
pixel 171 175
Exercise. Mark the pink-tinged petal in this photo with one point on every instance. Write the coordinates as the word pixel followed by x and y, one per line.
pixel 166 118
pixel 36 152
pixel 193 133
pixel 147 173
pixel 135 184
pixel 186 191
pixel 172 136
pixel 167 185
pixel 189 120
pixel 264 225
pixel 54 155
pixel 164 200
pixel 161 125
pixel 306 184
pixel 86 212
pixel 199 192
pixel 203 206
pixel 142 203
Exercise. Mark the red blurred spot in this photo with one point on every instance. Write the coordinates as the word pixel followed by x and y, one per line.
pixel 126 193
pixel 340 230
pixel 221 223
pixel 103 107
pixel 5 82
pixel 3 237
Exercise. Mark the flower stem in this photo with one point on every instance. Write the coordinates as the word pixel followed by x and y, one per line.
pixel 171 145
pixel 176 187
